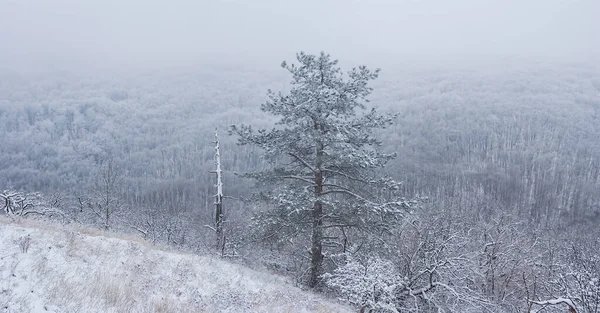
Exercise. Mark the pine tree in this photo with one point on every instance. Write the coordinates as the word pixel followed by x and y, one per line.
pixel 325 159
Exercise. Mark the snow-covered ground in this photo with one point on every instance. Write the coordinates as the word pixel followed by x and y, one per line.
pixel 47 267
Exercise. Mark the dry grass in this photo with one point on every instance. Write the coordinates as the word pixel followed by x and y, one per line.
pixel 164 305
pixel 81 269
pixel 115 291
pixel 76 228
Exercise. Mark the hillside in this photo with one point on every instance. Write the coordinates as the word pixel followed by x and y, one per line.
pixel 55 268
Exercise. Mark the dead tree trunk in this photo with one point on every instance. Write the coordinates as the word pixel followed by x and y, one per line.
pixel 219 218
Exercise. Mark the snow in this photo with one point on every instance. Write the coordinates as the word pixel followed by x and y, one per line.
pixel 76 269
pixel 556 301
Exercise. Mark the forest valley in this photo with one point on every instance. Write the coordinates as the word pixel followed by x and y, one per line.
pixel 442 189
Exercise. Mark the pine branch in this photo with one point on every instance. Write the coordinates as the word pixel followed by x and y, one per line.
pixel 299 178
pixel 303 162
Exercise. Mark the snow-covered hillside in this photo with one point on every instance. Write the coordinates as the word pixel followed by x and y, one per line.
pixel 54 268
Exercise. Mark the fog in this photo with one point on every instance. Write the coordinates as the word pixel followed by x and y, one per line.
pixel 468 182
pixel 135 33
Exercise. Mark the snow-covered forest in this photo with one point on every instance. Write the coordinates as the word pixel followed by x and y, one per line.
pixel 504 165
pixel 456 169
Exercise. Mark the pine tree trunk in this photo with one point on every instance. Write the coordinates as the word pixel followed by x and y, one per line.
pixel 316 262
pixel 317 245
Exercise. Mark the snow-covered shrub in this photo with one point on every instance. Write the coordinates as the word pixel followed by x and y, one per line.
pixel 579 280
pixel 427 265
pixel 374 283
pixel 17 203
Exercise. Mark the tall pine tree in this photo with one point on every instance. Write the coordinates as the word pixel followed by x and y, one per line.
pixel 325 159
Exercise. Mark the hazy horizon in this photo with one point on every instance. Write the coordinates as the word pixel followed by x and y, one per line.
pixel 66 34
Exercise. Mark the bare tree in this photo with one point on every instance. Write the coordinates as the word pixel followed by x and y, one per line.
pixel 105 202
pixel 219 215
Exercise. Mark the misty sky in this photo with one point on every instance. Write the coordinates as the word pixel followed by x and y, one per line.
pixel 144 32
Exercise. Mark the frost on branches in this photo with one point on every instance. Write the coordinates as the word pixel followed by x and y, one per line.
pixel 578 281
pixel 375 285
pixel 326 163
pixel 16 203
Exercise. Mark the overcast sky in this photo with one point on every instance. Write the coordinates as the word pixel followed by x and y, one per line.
pixel 177 32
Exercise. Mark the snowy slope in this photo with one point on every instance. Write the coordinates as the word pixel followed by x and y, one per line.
pixel 82 270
